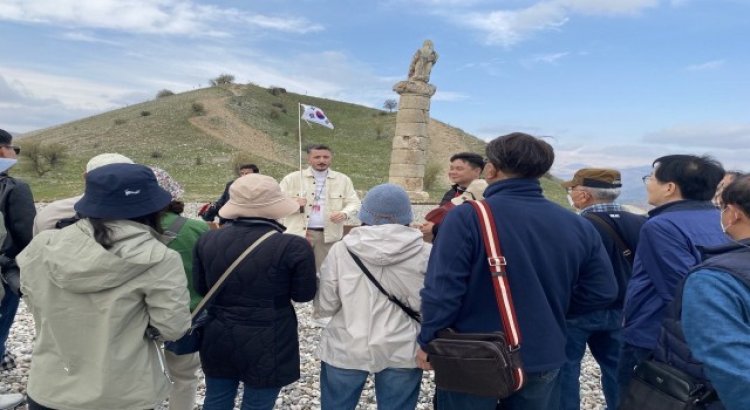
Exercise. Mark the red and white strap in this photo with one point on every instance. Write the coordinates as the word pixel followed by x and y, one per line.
pixel 497 264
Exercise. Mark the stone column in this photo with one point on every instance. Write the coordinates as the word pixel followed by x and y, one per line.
pixel 411 141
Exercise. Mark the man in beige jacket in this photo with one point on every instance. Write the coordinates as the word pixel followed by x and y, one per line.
pixel 326 198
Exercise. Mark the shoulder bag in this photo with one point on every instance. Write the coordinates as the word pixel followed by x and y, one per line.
pixel 659 386
pixel 482 364
pixel 191 341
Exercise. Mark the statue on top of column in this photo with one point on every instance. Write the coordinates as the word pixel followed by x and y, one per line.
pixel 422 62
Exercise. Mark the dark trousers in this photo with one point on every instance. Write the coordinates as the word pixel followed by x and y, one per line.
pixel 8 308
pixel 630 356
pixel 541 392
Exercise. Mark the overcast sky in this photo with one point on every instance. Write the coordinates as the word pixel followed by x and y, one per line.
pixel 613 82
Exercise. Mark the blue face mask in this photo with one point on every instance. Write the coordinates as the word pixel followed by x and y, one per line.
pixel 7 163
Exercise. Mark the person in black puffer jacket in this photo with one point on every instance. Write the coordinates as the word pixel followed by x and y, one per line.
pixel 252 335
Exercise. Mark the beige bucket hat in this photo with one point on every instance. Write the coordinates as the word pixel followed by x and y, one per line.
pixel 256 195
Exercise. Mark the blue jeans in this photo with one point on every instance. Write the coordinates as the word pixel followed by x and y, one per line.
pixel 629 357
pixel 541 392
pixel 220 395
pixel 395 389
pixel 8 308
pixel 602 330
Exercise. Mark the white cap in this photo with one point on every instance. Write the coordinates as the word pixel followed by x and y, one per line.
pixel 107 159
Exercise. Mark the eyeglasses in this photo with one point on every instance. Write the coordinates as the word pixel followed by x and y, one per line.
pixel 647 178
pixel 15 148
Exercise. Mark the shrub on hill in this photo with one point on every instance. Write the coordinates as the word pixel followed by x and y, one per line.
pixel 44 157
pixel 222 79
pixel 164 93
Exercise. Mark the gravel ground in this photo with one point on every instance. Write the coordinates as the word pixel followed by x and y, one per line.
pixel 305 393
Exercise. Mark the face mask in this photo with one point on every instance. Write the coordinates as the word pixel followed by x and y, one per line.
pixel 6 163
pixel 570 200
pixel 721 222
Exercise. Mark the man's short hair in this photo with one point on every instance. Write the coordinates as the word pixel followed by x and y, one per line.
pixel 312 147
pixel 474 160
pixel 250 166
pixel 603 194
pixel 520 155
pixel 738 193
pixel 697 177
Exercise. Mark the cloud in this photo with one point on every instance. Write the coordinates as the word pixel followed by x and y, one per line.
pixel 721 136
pixel 709 65
pixel 87 38
pixel 509 27
pixel 549 58
pixel 177 17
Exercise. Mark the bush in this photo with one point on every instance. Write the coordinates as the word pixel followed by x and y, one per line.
pixel 164 93
pixel 198 160
pixel 278 104
pixel 120 121
pixel 156 154
pixel 198 108
pixel 277 91
pixel 145 113
pixel 222 79
pixel 44 157
pixel 431 173
pixel 239 158
pixel 274 114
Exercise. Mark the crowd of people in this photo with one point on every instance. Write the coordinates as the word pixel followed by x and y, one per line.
pixel 112 274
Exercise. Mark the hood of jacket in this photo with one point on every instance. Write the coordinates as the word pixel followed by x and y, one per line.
pixel 384 245
pixel 76 262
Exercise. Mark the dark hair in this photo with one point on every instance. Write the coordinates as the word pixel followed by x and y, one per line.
pixel 175 206
pixel 250 166
pixel 311 147
pixel 474 160
pixel 734 173
pixel 103 233
pixel 738 193
pixel 697 177
pixel 520 155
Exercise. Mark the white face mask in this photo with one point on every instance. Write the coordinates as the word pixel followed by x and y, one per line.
pixel 721 216
pixel 6 163
pixel 570 200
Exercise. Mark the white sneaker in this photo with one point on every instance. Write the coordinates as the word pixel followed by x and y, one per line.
pixel 11 400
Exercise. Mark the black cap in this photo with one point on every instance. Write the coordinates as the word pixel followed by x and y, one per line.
pixel 5 137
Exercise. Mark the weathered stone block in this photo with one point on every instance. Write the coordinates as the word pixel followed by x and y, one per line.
pixel 407 115
pixel 406 170
pixel 410 142
pixel 411 128
pixel 409 184
pixel 416 102
pixel 408 156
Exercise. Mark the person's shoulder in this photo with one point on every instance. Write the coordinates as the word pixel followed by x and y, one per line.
pixel 197 225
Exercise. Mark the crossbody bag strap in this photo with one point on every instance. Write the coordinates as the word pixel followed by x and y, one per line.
pixel 174 228
pixel 627 253
pixel 409 311
pixel 217 286
pixel 500 282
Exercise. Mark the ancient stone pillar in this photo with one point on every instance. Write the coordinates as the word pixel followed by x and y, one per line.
pixel 410 142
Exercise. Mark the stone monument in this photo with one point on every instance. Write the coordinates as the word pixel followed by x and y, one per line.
pixel 410 142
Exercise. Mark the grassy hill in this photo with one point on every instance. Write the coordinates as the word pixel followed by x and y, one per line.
pixel 195 135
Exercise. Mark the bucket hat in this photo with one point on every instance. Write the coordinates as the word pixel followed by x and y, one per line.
pixel 121 191
pixel 386 204
pixel 256 195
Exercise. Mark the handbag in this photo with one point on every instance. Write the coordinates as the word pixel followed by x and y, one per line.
pixel 482 364
pixel 408 310
pixel 659 386
pixel 191 341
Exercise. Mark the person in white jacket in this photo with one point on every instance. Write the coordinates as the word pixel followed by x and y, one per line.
pixel 368 333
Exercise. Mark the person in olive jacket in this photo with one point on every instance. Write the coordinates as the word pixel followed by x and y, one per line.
pixel 252 333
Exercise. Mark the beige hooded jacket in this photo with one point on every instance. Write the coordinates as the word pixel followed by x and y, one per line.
pixel 91 307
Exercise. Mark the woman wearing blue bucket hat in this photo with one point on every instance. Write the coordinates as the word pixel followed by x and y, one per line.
pixel 94 288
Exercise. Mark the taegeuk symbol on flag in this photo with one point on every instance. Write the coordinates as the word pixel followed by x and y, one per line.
pixel 314 114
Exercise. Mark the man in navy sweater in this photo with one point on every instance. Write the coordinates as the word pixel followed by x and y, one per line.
pixel 681 188
pixel 555 264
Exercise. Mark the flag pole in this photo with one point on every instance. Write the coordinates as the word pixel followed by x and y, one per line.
pixel 302 192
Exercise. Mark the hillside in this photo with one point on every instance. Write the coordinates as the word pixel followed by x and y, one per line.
pixel 194 135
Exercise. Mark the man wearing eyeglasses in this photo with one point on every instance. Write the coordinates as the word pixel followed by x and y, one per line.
pixel 593 191
pixel 17 207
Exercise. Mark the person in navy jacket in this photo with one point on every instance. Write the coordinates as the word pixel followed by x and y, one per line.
pixel 681 188
pixel 556 265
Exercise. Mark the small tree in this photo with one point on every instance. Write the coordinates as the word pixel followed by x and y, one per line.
pixel 164 93
pixel 390 104
pixel 431 173
pixel 223 79
pixel 44 158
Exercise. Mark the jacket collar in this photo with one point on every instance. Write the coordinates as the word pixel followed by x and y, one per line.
pixel 259 222
pixel 682 205
pixel 734 246
pixel 308 172
pixel 523 186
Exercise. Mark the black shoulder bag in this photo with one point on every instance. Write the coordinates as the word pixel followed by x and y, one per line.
pixel 409 311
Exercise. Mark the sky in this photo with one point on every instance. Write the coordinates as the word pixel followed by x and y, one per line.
pixel 614 83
